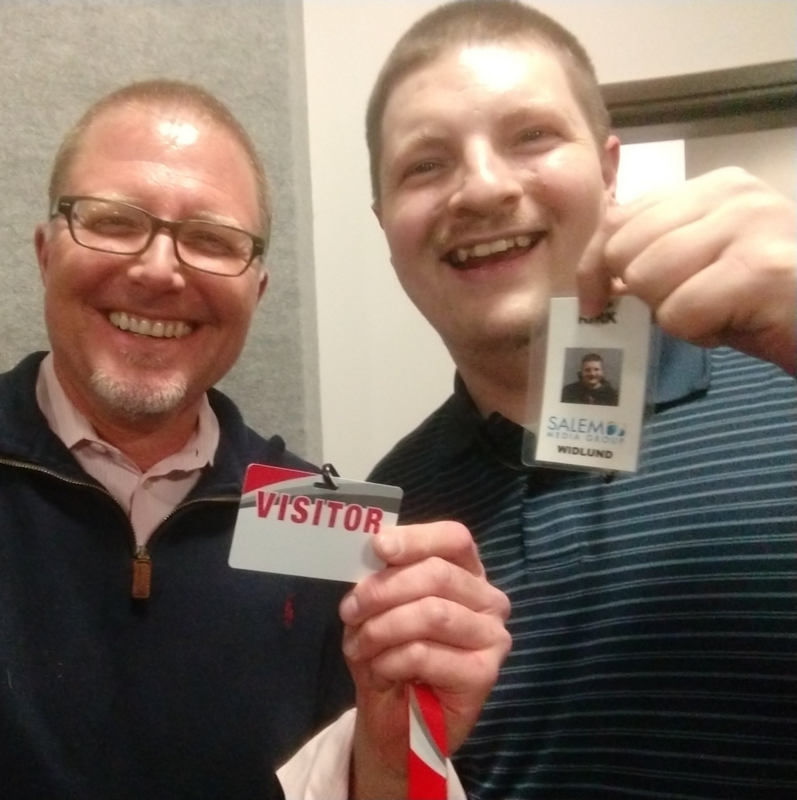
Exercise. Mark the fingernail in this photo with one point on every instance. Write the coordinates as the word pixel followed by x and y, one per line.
pixel 349 609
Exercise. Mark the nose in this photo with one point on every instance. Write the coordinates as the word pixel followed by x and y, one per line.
pixel 158 267
pixel 488 182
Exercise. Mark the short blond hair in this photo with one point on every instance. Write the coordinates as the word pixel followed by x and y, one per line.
pixel 163 94
pixel 481 22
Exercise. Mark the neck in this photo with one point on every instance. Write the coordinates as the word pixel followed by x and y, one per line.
pixel 146 442
pixel 498 380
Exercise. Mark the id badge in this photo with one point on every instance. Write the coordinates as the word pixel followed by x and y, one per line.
pixel 593 396
pixel 301 523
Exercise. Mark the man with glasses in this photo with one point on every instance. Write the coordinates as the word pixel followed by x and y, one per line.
pixel 134 663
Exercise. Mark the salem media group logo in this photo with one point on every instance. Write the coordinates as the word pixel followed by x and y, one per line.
pixel 582 429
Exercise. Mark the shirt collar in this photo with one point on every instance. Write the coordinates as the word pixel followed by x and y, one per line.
pixel 74 429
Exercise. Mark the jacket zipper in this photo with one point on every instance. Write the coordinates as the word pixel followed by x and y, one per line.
pixel 142 561
pixel 142 573
pixel 141 587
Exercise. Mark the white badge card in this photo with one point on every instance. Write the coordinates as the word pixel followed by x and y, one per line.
pixel 300 523
pixel 594 388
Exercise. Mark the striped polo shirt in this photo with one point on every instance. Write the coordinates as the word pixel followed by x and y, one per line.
pixel 654 615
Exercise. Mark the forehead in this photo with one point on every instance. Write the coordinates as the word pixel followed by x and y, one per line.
pixel 134 148
pixel 480 78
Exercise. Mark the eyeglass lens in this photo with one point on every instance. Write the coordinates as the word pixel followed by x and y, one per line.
pixel 119 228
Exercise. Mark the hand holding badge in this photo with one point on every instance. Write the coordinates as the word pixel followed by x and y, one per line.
pixel 425 631
pixel 588 411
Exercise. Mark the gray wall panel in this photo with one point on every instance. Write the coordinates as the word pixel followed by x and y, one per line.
pixel 58 57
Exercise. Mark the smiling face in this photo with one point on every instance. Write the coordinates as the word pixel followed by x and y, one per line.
pixel 491 186
pixel 137 336
pixel 592 374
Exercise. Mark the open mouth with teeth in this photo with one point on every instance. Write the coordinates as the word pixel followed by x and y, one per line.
pixel 496 250
pixel 158 329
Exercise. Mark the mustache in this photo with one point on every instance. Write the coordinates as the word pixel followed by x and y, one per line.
pixel 480 227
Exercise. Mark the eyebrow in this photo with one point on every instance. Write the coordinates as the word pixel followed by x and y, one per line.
pixel 414 147
pixel 424 139
pixel 428 137
pixel 201 216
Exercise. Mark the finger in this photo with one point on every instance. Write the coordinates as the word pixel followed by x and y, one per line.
pixel 673 259
pixel 395 586
pixel 700 194
pixel 593 280
pixel 431 618
pixel 405 544
pixel 448 670
pixel 726 199
pixel 748 308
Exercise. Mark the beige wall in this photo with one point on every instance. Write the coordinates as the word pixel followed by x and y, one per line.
pixel 771 155
pixel 382 368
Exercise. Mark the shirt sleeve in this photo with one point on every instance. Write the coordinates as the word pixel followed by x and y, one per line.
pixel 320 770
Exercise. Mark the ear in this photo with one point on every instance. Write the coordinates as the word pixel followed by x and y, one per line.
pixel 263 282
pixel 610 163
pixel 41 241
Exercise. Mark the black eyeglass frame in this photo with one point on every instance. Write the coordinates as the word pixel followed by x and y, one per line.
pixel 65 204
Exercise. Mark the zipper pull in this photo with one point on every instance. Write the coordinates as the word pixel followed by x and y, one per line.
pixel 142 573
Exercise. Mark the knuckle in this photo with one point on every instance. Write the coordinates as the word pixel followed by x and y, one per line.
pixel 485 667
pixel 460 539
pixel 615 217
pixel 505 644
pixel 459 530
pixel 442 574
pixel 438 613
pixel 737 179
pixel 501 604
pixel 614 253
pixel 415 655
pixel 367 637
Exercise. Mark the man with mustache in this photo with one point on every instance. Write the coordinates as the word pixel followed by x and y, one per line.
pixel 654 614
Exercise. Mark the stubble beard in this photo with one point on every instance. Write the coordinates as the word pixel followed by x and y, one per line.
pixel 508 341
pixel 139 397
pixel 496 347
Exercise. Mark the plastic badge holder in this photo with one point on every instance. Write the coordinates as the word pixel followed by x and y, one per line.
pixel 591 388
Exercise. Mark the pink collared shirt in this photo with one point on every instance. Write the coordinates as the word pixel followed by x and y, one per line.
pixel 147 497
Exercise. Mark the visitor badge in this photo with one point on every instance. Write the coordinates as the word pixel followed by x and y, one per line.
pixel 318 526
pixel 594 386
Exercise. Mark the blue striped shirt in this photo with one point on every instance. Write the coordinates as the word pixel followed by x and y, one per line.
pixel 654 617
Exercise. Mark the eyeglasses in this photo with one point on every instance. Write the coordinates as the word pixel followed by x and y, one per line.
pixel 113 227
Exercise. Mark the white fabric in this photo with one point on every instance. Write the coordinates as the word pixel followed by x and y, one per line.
pixel 320 770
